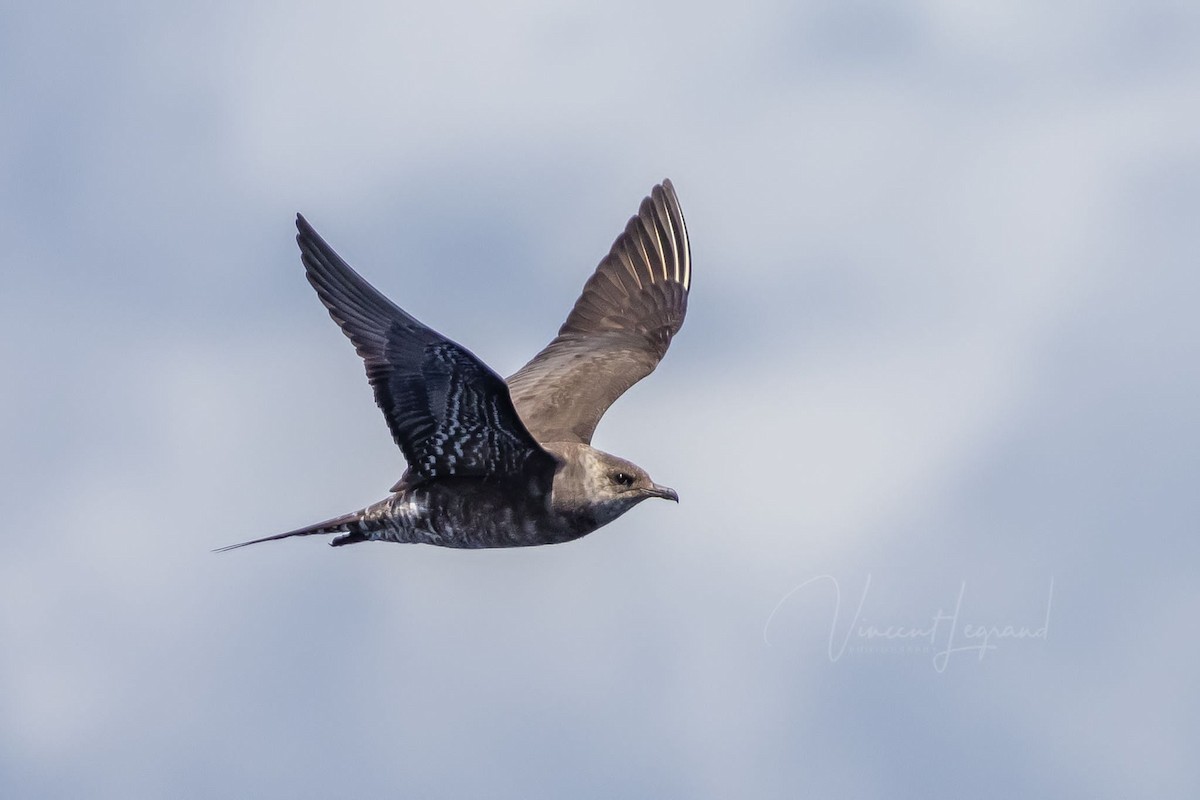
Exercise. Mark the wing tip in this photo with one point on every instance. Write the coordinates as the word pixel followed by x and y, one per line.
pixel 661 213
pixel 303 228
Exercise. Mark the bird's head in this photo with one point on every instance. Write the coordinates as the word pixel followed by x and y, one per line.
pixel 602 485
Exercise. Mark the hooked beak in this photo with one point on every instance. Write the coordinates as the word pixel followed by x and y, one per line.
pixel 665 492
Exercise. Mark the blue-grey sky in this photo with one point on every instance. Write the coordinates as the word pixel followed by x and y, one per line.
pixel 939 365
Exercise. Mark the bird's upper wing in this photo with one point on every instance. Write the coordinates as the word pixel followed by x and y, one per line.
pixel 450 414
pixel 617 332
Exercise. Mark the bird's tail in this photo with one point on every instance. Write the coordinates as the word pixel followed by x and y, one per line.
pixel 352 525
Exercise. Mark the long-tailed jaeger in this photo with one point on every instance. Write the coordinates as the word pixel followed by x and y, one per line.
pixel 496 464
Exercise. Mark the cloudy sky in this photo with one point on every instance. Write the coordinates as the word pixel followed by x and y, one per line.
pixel 932 416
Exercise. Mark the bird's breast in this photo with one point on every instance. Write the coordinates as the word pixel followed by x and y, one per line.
pixel 474 514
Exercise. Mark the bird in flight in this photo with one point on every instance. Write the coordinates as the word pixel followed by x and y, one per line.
pixel 510 464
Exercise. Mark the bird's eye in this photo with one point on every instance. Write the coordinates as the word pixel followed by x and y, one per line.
pixel 623 478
